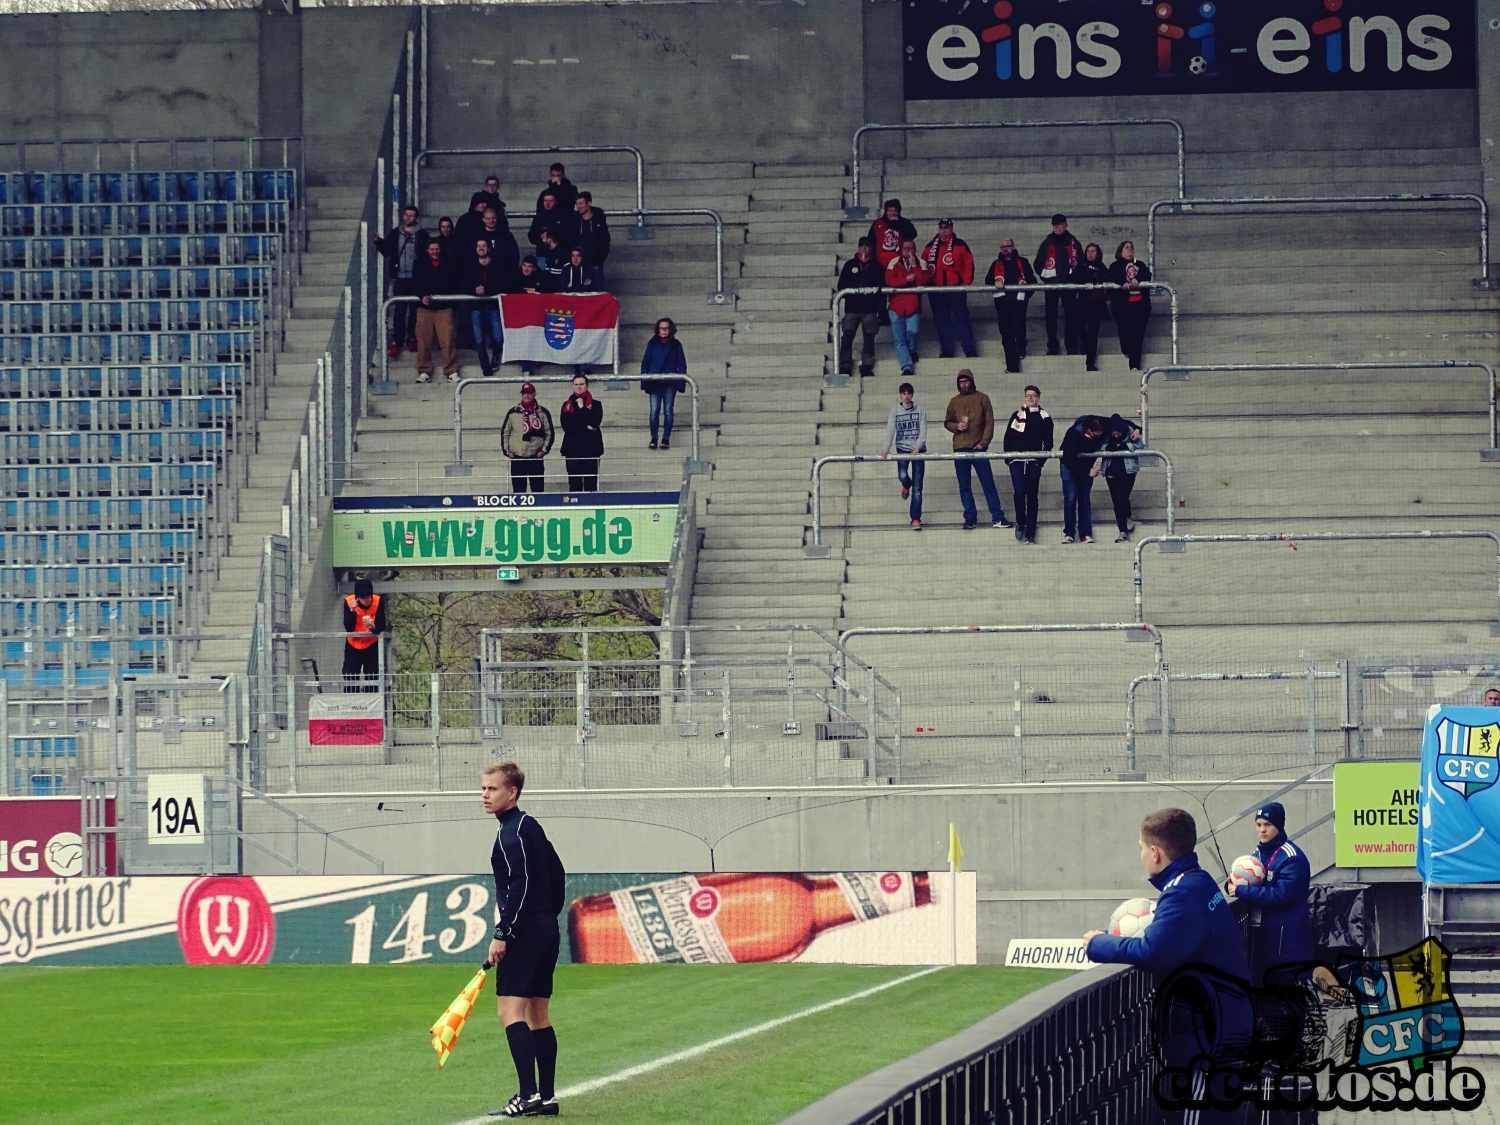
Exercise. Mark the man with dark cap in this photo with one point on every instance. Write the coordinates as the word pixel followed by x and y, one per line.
pixel 364 621
pixel 1281 930
pixel 861 311
pixel 1060 256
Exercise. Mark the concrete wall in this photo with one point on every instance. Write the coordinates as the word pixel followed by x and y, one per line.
pixel 1053 860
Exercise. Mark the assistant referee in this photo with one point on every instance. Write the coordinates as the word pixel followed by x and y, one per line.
pixel 529 881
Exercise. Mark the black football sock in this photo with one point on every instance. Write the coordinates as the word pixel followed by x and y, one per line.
pixel 523 1051
pixel 546 1059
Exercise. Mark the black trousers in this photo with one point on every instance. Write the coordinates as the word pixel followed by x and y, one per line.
pixel 583 474
pixel 1119 496
pixel 1025 480
pixel 528 473
pixel 1010 314
pixel 1131 324
pixel 361 664
pixel 1071 323
pixel 1093 315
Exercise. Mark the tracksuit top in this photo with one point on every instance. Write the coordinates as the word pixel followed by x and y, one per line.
pixel 1285 933
pixel 529 878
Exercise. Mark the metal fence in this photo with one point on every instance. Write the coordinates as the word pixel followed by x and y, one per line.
pixel 420 161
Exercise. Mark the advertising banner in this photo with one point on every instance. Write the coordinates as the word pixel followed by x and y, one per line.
pixel 559 327
pixel 881 917
pixel 349 719
pixel 593 529
pixel 1459 836
pixel 1088 48
pixel 39 837
pixel 1375 813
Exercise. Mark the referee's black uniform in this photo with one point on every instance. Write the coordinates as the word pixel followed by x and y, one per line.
pixel 529 887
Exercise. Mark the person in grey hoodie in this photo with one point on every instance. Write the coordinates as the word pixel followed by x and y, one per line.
pixel 906 432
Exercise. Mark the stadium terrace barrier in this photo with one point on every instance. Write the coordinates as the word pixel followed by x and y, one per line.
pixel 462 468
pixel 1073 1052
pixel 843 294
pixel 855 211
pixel 1179 373
pixel 640 170
pixel 1181 206
pixel 817 549
pixel 1178 543
pixel 717 295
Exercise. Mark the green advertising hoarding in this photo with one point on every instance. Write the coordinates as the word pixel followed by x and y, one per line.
pixel 1375 813
pixel 599 529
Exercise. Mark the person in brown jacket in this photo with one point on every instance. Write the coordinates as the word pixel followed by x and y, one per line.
pixel 971 421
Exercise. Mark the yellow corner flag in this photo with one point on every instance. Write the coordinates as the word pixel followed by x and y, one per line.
pixel 955 849
pixel 450 1023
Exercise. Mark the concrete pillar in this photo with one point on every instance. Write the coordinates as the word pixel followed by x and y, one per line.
pixel 1488 66
pixel 280 109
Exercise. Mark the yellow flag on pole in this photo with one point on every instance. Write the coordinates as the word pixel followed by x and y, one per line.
pixel 955 849
pixel 450 1023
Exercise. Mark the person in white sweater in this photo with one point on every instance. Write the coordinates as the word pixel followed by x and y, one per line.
pixel 906 432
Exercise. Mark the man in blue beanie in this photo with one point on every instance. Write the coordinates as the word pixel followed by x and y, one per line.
pixel 1280 923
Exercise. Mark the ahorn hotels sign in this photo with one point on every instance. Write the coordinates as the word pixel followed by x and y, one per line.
pixel 1087 48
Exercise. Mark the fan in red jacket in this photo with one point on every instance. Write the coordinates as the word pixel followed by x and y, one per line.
pixel 951 263
pixel 906 271
pixel 887 232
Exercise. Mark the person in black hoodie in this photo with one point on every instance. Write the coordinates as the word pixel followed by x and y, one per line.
pixel 490 193
pixel 583 443
pixel 550 218
pixel 1057 258
pixel 1079 467
pixel 1028 431
pixel 530 278
pixel 1095 303
pixel 436 275
pixel 1132 305
pixel 402 248
pixel 862 311
pixel 496 231
pixel 1119 472
pixel 591 231
pixel 1009 268
pixel 578 276
pixel 485 277
pixel 560 186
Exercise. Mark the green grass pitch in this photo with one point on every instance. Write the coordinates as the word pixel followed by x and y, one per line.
pixel 329 1044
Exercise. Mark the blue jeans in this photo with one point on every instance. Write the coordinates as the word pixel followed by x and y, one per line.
pixel 904 331
pixel 966 490
pixel 661 411
pixel 488 332
pixel 950 315
pixel 910 474
pixel 1078 509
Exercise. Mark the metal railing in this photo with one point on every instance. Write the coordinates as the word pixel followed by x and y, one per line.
pixel 420 162
pixel 1178 372
pixel 855 211
pixel 844 294
pixel 462 468
pixel 1182 206
pixel 817 550
pixel 718 295
pixel 1075 1051
pixel 1177 543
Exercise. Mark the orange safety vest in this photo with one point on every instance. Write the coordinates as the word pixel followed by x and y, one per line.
pixel 361 617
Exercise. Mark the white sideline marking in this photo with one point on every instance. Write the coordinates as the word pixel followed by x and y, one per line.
pixel 630 1072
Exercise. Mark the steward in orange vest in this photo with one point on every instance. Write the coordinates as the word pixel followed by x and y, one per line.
pixel 364 620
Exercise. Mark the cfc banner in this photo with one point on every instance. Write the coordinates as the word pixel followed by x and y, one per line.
pixel 559 327
pixel 1458 838
pixel 862 917
pixel 1087 48
pixel 597 529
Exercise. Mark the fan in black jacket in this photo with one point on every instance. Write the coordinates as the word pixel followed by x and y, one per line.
pixel 1028 431
pixel 1079 467
pixel 1132 307
pixel 1095 303
pixel 1009 268
pixel 583 443
pixel 436 275
pixel 865 311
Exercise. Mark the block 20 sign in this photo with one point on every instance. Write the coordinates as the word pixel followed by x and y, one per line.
pixel 593 529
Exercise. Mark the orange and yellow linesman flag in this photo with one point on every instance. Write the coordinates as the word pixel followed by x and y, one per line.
pixel 450 1023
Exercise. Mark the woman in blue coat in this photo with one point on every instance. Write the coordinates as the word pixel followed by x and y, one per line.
pixel 664 356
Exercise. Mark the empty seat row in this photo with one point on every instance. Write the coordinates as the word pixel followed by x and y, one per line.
pixel 59 582
pixel 119 251
pixel 89 348
pixel 86 219
pixel 124 381
pixel 136 283
pixel 58 662
pixel 87 617
pixel 215 412
pixel 125 548
pixel 177 513
pixel 79 481
pixel 162 447
pixel 172 315
pixel 149 187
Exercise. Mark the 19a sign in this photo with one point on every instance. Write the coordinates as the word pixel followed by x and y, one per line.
pixel 174 808
pixel 1088 48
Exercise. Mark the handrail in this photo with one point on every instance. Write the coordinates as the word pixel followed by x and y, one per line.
pixel 1182 205
pixel 462 468
pixel 57 144
pixel 816 549
pixel 1313 537
pixel 855 211
pixel 420 161
pixel 840 297
pixel 718 295
pixel 1394 365
pixel 385 309
pixel 327 834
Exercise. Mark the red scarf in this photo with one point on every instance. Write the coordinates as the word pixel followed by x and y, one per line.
pixel 1132 271
pixel 531 422
pixel 1050 262
pixel 584 403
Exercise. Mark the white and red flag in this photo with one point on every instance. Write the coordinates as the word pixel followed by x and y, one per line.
pixel 560 327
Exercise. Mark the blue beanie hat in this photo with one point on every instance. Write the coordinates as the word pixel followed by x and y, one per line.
pixel 1273 812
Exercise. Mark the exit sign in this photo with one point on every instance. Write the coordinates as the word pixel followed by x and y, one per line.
pixel 508 574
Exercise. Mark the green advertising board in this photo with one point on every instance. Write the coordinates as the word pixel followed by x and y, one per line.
pixel 1375 813
pixel 597 529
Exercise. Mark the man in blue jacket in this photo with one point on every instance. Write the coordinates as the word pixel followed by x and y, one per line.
pixel 1280 922
pixel 1193 924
